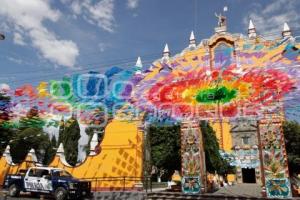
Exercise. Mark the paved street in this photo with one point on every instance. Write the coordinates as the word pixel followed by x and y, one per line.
pixel 247 190
pixel 21 197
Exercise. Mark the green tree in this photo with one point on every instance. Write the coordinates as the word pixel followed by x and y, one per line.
pixel 213 160
pixel 27 139
pixel 30 135
pixel 165 148
pixel 50 150
pixel 166 155
pixel 53 141
pixel 291 130
pixel 71 135
pixel 61 137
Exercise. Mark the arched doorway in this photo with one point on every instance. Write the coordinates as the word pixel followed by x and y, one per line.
pixel 248 175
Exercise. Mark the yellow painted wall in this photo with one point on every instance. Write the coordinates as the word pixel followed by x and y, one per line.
pixel 121 156
pixel 224 127
pixel 6 168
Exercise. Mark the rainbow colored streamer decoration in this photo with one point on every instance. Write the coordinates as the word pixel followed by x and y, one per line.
pixel 232 89
pixel 225 82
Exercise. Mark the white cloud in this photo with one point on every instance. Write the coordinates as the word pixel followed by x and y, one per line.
pixel 103 46
pixel 16 60
pixel 132 4
pixel 76 7
pixel 269 19
pixel 62 52
pixel 100 13
pixel 28 16
pixel 18 39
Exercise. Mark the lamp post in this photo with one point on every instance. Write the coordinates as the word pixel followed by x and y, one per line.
pixel 2 37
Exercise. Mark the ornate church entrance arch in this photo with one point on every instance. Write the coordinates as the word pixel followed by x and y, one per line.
pixel 223 79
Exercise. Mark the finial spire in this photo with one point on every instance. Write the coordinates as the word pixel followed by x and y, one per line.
pixel 31 156
pixel 251 25
pixel 139 62
pixel 60 149
pixel 251 30
pixel 192 40
pixel 286 27
pixel 192 36
pixel 61 153
pixel 7 155
pixel 166 53
pixel 7 150
pixel 93 144
pixel 286 30
pixel 139 65
pixel 166 49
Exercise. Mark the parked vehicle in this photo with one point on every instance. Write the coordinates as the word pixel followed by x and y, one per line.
pixel 47 180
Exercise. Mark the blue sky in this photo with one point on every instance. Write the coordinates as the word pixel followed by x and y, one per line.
pixel 46 39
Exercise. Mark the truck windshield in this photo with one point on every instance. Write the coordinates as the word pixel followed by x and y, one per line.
pixel 61 173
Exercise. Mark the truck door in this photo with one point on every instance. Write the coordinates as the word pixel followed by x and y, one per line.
pixel 46 182
pixel 31 180
pixel 37 180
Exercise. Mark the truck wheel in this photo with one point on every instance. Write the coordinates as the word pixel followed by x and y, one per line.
pixel 13 190
pixel 60 194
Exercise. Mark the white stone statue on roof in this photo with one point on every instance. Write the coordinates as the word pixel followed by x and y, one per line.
pixel 221 20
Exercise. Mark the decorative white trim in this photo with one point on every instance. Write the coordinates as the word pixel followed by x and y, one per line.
pixel 166 54
pixel 139 62
pixel 93 144
pixel 251 30
pixel 61 153
pixel 251 25
pixel 192 44
pixel 32 154
pixel 139 65
pixel 286 32
pixel 166 49
pixel 7 155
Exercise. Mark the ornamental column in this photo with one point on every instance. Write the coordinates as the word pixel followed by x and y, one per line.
pixel 192 158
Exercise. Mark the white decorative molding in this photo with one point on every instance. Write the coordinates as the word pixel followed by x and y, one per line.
pixel 192 44
pixel 7 155
pixel 286 32
pixel 93 144
pixel 221 29
pixel 139 65
pixel 32 154
pixel 166 54
pixel 61 153
pixel 251 30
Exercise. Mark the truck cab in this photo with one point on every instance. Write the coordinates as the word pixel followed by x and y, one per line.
pixel 47 180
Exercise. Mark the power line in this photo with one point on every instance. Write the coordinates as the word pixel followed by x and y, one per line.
pixel 109 64
pixel 50 75
pixel 123 59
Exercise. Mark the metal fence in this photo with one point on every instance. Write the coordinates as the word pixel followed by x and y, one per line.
pixel 124 180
